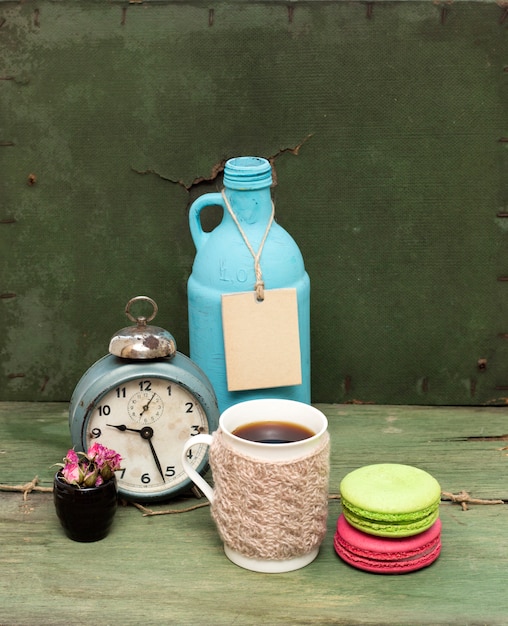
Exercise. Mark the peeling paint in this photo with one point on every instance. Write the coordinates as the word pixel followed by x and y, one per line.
pixel 218 168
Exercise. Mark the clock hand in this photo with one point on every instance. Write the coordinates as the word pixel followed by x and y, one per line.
pixel 145 407
pixel 156 459
pixel 123 428
pixel 146 433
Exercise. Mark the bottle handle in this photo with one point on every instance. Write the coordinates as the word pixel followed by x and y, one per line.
pixel 199 236
pixel 196 478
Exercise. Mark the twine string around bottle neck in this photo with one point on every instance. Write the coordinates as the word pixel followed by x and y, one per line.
pixel 259 285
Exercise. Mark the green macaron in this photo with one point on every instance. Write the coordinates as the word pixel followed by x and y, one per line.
pixel 390 499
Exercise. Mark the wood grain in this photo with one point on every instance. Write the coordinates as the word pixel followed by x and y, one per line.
pixel 170 569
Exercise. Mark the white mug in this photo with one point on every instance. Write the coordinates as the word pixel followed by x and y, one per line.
pixel 267 492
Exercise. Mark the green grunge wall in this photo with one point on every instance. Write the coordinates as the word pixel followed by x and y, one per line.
pixel 386 123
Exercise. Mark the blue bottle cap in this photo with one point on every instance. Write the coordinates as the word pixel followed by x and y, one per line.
pixel 246 173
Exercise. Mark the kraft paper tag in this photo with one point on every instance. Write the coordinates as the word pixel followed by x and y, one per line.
pixel 261 339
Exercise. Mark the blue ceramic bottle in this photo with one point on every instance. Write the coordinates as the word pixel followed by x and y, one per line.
pixel 224 264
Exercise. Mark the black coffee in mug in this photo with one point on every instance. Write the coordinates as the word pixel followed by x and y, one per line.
pixel 273 432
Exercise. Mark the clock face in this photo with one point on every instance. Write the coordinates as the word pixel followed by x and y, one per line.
pixel 147 420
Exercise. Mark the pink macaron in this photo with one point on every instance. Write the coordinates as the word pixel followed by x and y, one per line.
pixel 384 555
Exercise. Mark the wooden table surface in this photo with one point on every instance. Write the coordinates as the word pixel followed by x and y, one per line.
pixel 170 569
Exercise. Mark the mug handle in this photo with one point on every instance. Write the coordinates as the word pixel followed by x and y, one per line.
pixel 190 471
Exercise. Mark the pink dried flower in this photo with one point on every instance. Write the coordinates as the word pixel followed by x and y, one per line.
pixel 71 472
pixel 91 469
pixel 72 457
pixel 97 452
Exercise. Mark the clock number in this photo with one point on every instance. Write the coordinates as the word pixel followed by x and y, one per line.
pixel 169 390
pixel 145 385
pixel 196 430
pixel 121 472
pixel 120 392
pixel 189 406
pixel 189 454
pixel 104 409
pixel 145 479
pixel 170 471
pixel 95 433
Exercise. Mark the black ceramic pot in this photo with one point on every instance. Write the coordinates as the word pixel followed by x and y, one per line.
pixel 85 514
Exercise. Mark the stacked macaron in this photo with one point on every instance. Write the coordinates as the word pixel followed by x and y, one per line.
pixel 390 519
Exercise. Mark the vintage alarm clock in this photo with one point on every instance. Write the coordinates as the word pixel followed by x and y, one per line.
pixel 145 400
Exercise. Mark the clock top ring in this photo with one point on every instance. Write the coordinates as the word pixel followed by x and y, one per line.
pixel 138 299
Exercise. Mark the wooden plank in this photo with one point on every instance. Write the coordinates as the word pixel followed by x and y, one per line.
pixel 36 435
pixel 434 438
pixel 171 569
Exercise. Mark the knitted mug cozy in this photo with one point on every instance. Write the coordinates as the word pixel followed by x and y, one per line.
pixel 270 510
